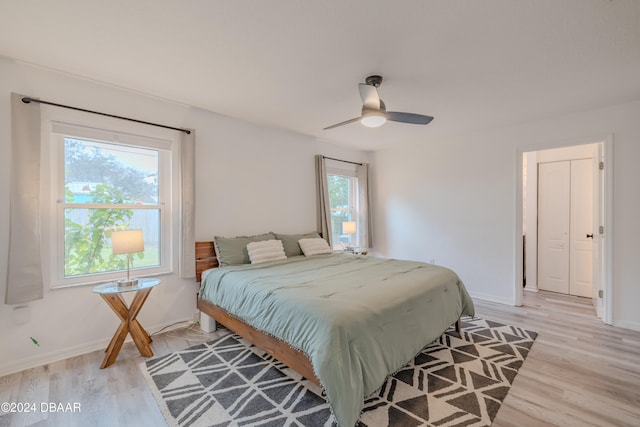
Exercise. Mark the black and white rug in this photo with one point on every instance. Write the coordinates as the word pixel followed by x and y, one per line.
pixel 454 381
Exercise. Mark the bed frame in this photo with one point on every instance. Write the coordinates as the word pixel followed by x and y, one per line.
pixel 294 359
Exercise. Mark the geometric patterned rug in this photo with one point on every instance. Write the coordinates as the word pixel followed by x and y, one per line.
pixel 454 381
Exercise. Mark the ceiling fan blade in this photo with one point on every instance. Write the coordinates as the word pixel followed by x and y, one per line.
pixel 416 119
pixel 342 123
pixel 370 97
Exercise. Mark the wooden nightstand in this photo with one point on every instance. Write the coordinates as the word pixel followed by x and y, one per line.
pixel 112 294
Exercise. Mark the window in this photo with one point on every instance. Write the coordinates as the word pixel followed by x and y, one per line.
pixel 348 204
pixel 105 181
pixel 343 201
pixel 344 214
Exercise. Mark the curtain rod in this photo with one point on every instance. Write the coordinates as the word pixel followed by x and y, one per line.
pixel 343 161
pixel 27 100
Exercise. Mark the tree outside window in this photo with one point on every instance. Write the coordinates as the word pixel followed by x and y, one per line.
pixel 108 187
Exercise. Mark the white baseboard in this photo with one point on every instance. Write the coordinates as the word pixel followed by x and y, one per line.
pixel 634 326
pixel 65 353
pixel 491 298
pixel 52 356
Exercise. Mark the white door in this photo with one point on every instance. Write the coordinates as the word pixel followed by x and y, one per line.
pixel 554 189
pixel 581 229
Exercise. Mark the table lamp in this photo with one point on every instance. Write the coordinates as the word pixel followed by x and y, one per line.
pixel 127 242
pixel 349 227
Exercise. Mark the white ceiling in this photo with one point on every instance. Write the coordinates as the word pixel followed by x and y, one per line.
pixel 296 64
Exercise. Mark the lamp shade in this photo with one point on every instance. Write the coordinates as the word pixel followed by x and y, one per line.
pixel 127 241
pixel 349 227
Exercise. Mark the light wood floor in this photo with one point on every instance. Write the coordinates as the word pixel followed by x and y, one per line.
pixel 580 372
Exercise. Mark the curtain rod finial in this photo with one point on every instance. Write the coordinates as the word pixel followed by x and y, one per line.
pixel 26 100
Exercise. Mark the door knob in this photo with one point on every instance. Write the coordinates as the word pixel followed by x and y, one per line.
pixel 589 236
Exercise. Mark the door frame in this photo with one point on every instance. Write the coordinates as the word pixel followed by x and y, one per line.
pixel 607 241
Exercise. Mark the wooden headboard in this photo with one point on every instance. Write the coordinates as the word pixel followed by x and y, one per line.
pixel 205 258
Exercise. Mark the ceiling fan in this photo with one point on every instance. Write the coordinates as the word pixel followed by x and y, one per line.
pixel 374 112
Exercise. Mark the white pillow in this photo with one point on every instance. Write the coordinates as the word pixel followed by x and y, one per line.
pixel 314 246
pixel 266 250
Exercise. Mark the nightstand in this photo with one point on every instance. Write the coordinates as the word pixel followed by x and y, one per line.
pixel 112 294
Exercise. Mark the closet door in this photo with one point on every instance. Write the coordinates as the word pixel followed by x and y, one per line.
pixel 581 271
pixel 554 210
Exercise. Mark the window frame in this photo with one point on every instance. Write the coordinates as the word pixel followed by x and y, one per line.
pixel 347 172
pixel 57 126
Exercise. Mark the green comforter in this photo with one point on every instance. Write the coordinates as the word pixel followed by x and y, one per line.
pixel 358 319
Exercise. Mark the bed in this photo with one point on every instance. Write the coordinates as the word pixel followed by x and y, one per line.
pixel 343 321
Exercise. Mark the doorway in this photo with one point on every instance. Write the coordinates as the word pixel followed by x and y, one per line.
pixel 562 253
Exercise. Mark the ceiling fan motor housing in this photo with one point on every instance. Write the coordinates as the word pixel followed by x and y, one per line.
pixel 374 81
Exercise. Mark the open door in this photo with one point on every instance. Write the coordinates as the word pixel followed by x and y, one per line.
pixel 598 235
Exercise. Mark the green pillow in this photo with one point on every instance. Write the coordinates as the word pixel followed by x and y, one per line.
pixel 290 242
pixel 233 250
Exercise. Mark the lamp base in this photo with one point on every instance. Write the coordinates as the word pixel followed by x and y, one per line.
pixel 123 283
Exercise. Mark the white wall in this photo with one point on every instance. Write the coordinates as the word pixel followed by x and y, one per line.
pixel 250 179
pixel 454 200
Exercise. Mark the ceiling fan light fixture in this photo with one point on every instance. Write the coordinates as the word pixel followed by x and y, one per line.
pixel 374 113
pixel 373 119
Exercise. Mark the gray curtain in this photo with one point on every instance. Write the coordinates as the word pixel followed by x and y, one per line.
pixel 188 214
pixel 24 272
pixel 365 234
pixel 322 197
